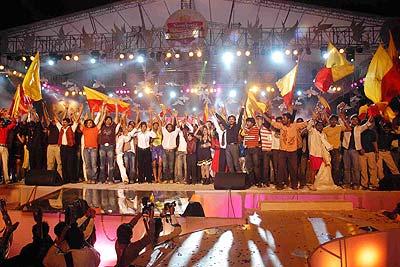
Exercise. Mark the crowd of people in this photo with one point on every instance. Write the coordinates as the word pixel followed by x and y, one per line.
pixel 285 151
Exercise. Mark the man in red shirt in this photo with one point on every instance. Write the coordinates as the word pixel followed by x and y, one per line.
pixel 251 136
pixel 4 131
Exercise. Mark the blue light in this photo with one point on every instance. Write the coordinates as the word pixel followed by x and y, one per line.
pixel 227 58
pixel 172 94
pixel 299 93
pixel 140 59
pixel 92 60
pixel 232 93
pixel 50 62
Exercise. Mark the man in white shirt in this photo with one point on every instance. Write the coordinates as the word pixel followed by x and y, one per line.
pixel 144 153
pixel 170 133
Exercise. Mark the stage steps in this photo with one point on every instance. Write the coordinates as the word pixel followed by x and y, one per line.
pixel 306 205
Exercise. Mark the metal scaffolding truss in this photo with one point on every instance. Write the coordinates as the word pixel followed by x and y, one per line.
pixel 218 36
pixel 323 12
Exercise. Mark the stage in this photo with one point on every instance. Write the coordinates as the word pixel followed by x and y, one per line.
pixel 246 222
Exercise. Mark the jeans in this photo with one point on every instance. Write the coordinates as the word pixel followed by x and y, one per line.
pixel 351 161
pixel 106 158
pixel 129 162
pixel 253 164
pixel 267 161
pixel 168 164
pixel 90 155
pixel 180 166
pixel 287 166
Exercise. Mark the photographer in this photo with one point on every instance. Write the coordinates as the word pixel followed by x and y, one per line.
pixel 6 238
pixel 78 253
pixel 127 250
pixel 83 215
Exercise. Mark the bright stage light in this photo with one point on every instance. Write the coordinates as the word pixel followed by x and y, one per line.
pixel 232 93
pixel 92 60
pixel 130 56
pixel 254 89
pixel 140 59
pixel 147 90
pixel 277 56
pixel 298 93
pixel 23 58
pixel 121 64
pixel 76 58
pixel 50 62
pixel 67 57
pixel 287 52
pixel 249 62
pixel 191 54
pixel 214 82
pixel 239 53
pixel 245 81
pixel 227 58
pixel 140 95
pixel 325 55
pixel 121 56
pixel 168 55
pixel 247 53
pixel 14 72
pixel 110 94
pixel 172 94
pixel 66 93
pixel 194 109
pixel 263 93
pixel 32 58
pixel 295 52
pixel 1 67
pixel 177 55
pixel 199 53
pixel 341 50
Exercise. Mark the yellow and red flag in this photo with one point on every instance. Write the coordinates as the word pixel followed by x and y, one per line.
pixel 253 106
pixel 31 84
pixel 382 81
pixel 286 86
pixel 20 103
pixel 336 68
pixel 96 99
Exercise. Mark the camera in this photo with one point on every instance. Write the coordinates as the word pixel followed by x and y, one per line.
pixel 167 211
pixel 148 206
pixel 75 210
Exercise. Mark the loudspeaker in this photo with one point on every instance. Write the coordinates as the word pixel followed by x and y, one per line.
pixel 235 181
pixel 390 183
pixel 43 177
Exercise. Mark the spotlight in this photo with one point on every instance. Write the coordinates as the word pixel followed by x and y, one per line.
pixel 295 52
pixel 199 53
pixel 73 93
pixel 298 93
pixel 66 93
pixel 191 54
pixel 268 89
pixel 32 58
pixel 140 95
pixel 239 53
pixel 23 58
pixel 227 58
pixel 20 75
pixel 14 72
pixel 124 84
pixel 130 56
pixel 121 56
pixel 205 62
pixel 308 50
pixel 177 55
pixel 194 109
pixel 26 67
pixel 232 93
pixel 67 57
pixel 245 81
pixel 254 89
pixel 272 89
pixel 121 64
pixel 287 52
pixel 76 58
pixel 214 82
pixel 247 53
pixel 341 50
pixel 325 55
pixel 140 59
pixel 172 94
pixel 339 89
pixel 1 67
pixel 263 93
pixel 92 60
pixel 277 56
pixel 168 55
pixel 249 62
pixel 50 62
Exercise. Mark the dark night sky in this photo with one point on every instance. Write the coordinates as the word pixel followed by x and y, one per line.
pixel 27 11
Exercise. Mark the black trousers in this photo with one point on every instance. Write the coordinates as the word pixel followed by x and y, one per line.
pixel 191 162
pixel 144 165
pixel 287 165
pixel 36 157
pixel 275 163
pixel 68 161
pixel 222 160
pixel 266 160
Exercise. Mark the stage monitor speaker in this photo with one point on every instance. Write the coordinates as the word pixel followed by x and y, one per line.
pixel 390 183
pixel 235 181
pixel 43 177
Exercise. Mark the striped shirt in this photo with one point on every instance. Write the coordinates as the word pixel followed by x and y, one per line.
pixel 251 137
pixel 266 139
